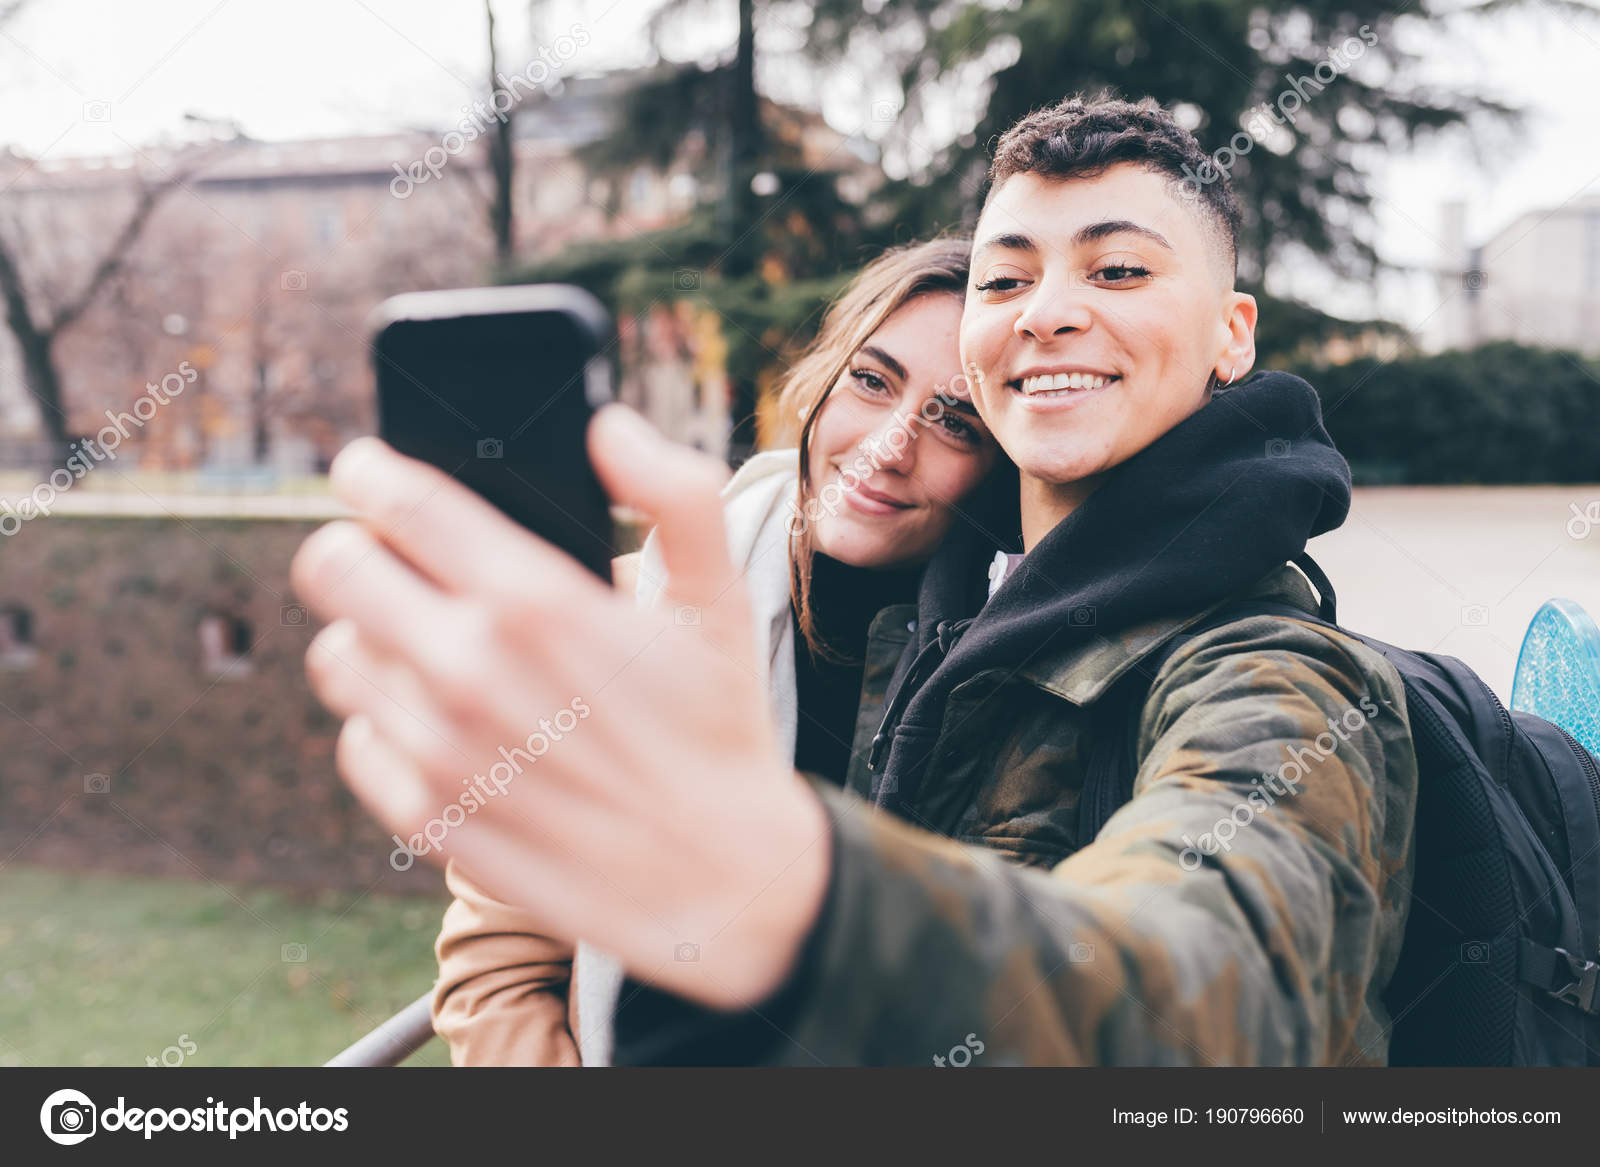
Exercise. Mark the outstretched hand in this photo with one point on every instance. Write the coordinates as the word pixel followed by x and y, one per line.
pixel 612 770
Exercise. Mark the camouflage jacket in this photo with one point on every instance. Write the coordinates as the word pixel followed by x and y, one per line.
pixel 1245 907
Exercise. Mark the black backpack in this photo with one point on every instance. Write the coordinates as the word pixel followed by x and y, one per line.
pixel 1498 962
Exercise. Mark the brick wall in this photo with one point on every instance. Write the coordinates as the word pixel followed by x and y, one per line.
pixel 204 775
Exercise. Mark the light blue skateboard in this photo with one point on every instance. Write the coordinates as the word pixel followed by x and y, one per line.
pixel 1558 671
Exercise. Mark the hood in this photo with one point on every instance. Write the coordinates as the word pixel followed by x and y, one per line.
pixel 1230 493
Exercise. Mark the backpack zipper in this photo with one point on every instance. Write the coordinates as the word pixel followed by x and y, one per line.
pixel 1508 731
pixel 1591 771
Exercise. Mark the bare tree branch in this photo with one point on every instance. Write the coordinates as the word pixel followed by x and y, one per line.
pixel 116 255
pixel 36 329
pixel 34 345
pixel 14 292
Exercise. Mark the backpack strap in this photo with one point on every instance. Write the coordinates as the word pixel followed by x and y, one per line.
pixel 1328 603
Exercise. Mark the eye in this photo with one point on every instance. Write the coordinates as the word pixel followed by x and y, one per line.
pixel 959 428
pixel 1118 273
pixel 999 284
pixel 956 427
pixel 869 382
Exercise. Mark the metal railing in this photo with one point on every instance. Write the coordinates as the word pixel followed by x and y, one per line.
pixel 394 1041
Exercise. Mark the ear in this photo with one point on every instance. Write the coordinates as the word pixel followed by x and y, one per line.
pixel 1238 356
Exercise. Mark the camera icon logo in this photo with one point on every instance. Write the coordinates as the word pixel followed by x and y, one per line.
pixel 686 279
pixel 293 281
pixel 1080 953
pixel 1278 448
pixel 97 784
pixel 1474 280
pixel 686 616
pixel 67 1117
pixel 292 616
pixel 1475 952
pixel 97 111
pixel 491 448
pixel 1475 616
pixel 1083 615
pixel 293 953
pixel 686 953
pixel 883 111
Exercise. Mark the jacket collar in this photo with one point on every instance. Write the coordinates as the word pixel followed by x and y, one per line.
pixel 1082 673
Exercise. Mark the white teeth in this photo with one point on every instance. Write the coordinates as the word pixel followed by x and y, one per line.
pixel 1057 382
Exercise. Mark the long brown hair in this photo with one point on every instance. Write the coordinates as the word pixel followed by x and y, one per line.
pixel 883 287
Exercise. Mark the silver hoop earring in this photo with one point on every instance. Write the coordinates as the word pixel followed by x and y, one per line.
pixel 1232 372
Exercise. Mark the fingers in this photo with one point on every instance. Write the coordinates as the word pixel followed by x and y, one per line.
pixel 382 777
pixel 354 680
pixel 451 533
pixel 678 487
pixel 341 570
pixel 498 848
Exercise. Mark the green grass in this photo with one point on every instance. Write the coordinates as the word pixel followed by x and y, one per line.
pixel 107 970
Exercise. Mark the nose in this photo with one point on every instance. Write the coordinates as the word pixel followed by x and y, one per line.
pixel 1053 308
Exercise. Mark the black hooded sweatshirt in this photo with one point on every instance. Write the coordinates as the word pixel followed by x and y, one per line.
pixel 1201 514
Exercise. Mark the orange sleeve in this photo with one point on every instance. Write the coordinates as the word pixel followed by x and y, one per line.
pixel 502 995
pixel 501 999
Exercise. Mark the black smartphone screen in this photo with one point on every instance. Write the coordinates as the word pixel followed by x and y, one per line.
pixel 495 386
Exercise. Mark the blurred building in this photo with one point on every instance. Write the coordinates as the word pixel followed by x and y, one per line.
pixel 261 269
pixel 1536 281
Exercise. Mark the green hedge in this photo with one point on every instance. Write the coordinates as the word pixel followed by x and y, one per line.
pixel 1502 413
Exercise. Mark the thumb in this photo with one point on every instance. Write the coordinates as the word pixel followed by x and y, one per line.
pixel 681 489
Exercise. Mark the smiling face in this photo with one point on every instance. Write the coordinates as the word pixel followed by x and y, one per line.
pixel 1098 310
pixel 897 443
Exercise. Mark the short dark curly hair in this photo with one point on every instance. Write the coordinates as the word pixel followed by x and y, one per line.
pixel 1082 137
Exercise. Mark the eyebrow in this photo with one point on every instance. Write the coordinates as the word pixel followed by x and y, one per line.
pixel 877 353
pixel 958 404
pixel 1008 241
pixel 1105 227
pixel 1015 241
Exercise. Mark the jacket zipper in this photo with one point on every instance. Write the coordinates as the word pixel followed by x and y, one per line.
pixel 946 633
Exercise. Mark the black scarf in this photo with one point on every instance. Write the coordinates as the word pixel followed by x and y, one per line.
pixel 1201 514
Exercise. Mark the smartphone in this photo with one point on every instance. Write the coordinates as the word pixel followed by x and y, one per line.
pixel 495 386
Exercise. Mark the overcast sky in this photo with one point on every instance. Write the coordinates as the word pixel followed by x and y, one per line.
pixel 309 68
